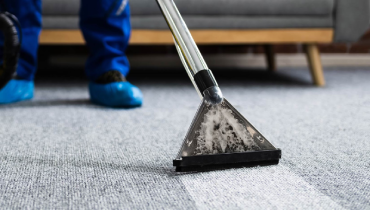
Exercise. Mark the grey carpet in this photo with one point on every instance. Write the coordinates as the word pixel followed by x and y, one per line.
pixel 58 151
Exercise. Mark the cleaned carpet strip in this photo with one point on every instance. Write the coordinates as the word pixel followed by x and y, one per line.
pixel 255 188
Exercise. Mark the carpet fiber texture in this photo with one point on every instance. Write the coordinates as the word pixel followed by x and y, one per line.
pixel 59 151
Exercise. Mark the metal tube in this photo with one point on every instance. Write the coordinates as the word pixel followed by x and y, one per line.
pixel 182 36
pixel 183 61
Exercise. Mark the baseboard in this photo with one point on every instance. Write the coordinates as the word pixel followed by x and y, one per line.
pixel 229 61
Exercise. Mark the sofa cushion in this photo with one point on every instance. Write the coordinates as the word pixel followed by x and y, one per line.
pixel 60 7
pixel 239 7
pixel 209 7
pixel 204 22
pixel 209 14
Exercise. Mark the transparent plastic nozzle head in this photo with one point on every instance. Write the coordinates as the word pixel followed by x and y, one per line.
pixel 213 95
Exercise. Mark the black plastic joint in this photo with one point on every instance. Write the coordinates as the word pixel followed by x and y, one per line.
pixel 204 79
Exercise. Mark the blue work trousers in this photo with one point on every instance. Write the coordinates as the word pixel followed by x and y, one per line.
pixel 105 25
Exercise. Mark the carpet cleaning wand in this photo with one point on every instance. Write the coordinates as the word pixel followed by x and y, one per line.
pixel 219 136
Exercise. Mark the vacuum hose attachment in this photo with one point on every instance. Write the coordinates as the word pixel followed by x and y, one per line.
pixel 208 87
pixel 11 48
pixel 204 79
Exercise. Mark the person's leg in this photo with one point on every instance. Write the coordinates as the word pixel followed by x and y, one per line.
pixel 28 13
pixel 106 28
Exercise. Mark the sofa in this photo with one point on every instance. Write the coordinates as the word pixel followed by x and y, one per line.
pixel 265 22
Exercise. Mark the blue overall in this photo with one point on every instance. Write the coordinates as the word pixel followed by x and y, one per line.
pixel 106 27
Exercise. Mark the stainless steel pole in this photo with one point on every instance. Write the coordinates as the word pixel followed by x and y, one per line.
pixel 194 64
pixel 182 36
pixel 190 74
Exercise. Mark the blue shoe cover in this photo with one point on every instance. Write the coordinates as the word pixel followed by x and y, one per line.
pixel 116 94
pixel 16 90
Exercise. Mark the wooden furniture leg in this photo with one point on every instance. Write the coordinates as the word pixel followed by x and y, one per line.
pixel 314 62
pixel 270 57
